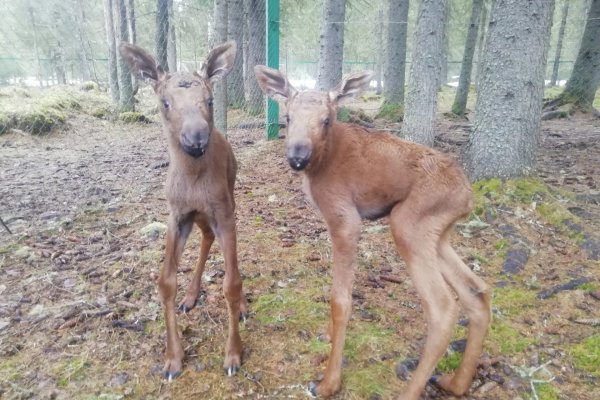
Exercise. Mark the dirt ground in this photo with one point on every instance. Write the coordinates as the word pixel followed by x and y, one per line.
pixel 80 316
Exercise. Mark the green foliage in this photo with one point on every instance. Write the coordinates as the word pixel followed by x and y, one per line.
pixel 292 306
pixel 450 362
pixel 586 355
pixel 512 301
pixel 130 117
pixel 5 123
pixel 90 85
pixel 343 114
pixel 391 112
pixel 546 391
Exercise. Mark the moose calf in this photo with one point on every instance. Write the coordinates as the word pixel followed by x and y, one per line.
pixel 351 173
pixel 200 182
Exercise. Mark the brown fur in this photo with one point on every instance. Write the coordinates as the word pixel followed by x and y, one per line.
pixel 199 187
pixel 355 173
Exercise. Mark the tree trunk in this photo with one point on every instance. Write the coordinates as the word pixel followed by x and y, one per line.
pixel 256 54
pixel 395 68
pixel 132 38
pixel 464 82
pixel 235 79
pixel 113 75
pixel 443 78
pixel 425 72
pixel 509 104
pixel 483 24
pixel 35 44
pixel 172 42
pixel 585 78
pixel 161 37
pixel 380 55
pixel 561 35
pixel 122 30
pixel 86 71
pixel 220 88
pixel 331 44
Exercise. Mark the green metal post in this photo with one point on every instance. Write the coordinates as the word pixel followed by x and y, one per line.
pixel 272 62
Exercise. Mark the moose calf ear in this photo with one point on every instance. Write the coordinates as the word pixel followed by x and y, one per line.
pixel 141 63
pixel 274 84
pixel 219 62
pixel 351 86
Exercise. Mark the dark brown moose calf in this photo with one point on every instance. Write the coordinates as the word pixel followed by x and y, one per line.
pixel 351 173
pixel 200 182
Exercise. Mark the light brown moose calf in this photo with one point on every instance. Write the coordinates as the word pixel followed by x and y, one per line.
pixel 351 173
pixel 200 182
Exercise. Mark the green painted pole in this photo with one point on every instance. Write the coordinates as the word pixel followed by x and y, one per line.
pixel 272 62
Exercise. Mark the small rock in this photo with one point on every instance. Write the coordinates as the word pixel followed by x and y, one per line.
pixel 272 198
pixel 592 247
pixel 496 378
pixel 595 294
pixel 516 259
pixel 486 387
pixel 404 368
pixel 458 345
pixel 49 215
pixel 119 379
pixel 572 284
pixel 4 323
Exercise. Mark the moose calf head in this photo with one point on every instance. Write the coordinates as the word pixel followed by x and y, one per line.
pixel 186 98
pixel 311 113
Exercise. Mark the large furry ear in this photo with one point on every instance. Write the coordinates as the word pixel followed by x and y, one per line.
pixel 141 63
pixel 351 86
pixel 274 84
pixel 219 62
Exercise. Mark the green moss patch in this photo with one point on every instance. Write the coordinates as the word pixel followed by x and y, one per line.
pixel 130 117
pixel 393 112
pixel 586 355
pixel 507 339
pixel 39 121
pixel 511 301
pixel 292 307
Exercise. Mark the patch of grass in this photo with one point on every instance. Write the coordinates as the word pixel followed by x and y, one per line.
pixel 89 85
pixel 367 339
pixel 586 355
pixel 588 287
pixel 485 192
pixel 393 112
pixel 294 307
pixel 501 244
pixel 368 381
pixel 71 370
pixel 546 391
pixel 512 301
pixel 509 340
pixel 525 190
pixel 450 362
pixel 5 123
pixel 40 120
pixel 554 213
pixel 343 114
pixel 9 368
pixel 552 92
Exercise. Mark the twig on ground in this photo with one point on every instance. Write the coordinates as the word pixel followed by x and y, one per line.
pixel 5 227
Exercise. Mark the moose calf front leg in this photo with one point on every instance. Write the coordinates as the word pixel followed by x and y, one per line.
pixel 344 237
pixel 178 230
pixel 232 289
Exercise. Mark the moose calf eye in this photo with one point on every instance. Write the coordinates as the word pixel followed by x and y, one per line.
pixel 210 102
pixel 326 122
pixel 287 119
pixel 165 104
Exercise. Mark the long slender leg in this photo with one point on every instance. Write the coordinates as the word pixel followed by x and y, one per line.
pixel 232 289
pixel 178 230
pixel 193 290
pixel 474 296
pixel 417 245
pixel 345 232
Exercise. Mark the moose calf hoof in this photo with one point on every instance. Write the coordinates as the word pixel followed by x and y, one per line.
pixel 231 371
pixel 446 382
pixel 244 315
pixel 321 390
pixel 187 305
pixel 169 376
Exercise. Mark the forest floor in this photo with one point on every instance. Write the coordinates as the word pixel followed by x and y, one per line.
pixel 80 316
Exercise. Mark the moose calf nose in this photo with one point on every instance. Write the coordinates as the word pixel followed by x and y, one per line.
pixel 298 156
pixel 195 142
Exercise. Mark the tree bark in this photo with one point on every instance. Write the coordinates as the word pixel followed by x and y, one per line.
pixel 113 75
pixel 331 44
pixel 585 78
pixel 161 37
pixel 255 102
pixel 132 38
pixel 172 41
pixel 509 104
pixel 380 55
pixel 235 27
pixel 86 71
pixel 425 72
pixel 122 30
pixel 395 68
pixel 561 35
pixel 483 25
pixel 464 81
pixel 220 88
